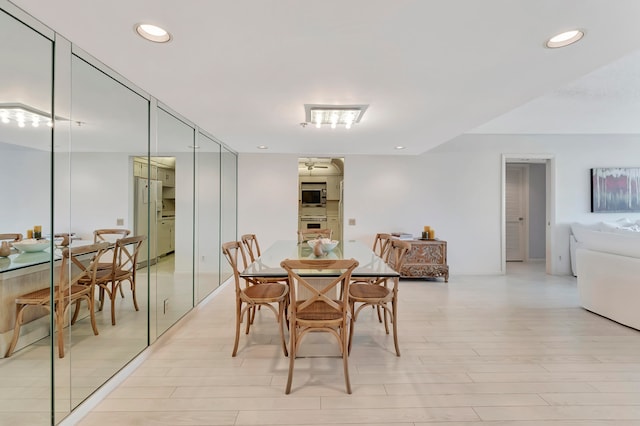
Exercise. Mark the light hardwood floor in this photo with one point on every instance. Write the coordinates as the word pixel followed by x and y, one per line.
pixel 512 350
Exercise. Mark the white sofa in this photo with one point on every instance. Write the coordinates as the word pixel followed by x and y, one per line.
pixel 608 270
pixel 578 230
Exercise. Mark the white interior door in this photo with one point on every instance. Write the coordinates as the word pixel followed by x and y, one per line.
pixel 515 209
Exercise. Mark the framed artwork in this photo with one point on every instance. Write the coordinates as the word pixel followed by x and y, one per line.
pixel 615 190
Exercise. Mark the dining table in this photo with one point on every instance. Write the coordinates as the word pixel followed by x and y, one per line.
pixel 268 264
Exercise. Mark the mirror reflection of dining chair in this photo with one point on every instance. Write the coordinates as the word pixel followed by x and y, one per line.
pixel 122 269
pixel 379 294
pixel 5 240
pixel 249 297
pixel 14 238
pixel 66 292
pixel 311 309
pixel 110 235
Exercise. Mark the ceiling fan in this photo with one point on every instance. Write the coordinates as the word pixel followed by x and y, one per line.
pixel 310 165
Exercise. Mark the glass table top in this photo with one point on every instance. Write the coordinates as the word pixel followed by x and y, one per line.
pixel 268 264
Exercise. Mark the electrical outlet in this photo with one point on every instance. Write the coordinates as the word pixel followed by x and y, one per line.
pixel 119 221
pixel 352 222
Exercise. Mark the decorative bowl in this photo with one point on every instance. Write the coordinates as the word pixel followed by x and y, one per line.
pixel 327 244
pixel 31 245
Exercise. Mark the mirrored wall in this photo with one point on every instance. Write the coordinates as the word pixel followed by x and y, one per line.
pixel 112 164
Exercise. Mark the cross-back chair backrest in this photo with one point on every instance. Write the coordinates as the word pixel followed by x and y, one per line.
pixel 382 244
pixel 397 253
pixel 314 295
pixel 233 252
pixel 250 242
pixel 111 236
pixel 13 237
pixel 126 253
pixel 74 258
pixel 310 234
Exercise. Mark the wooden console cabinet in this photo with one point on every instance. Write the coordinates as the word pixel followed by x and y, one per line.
pixel 426 259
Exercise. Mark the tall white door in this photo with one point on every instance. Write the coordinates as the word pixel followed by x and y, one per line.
pixel 515 205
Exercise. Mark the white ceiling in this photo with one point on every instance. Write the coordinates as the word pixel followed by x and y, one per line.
pixel 430 70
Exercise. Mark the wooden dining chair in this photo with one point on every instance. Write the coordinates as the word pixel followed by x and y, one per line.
pixel 379 294
pixel 382 244
pixel 249 297
pixel 122 269
pixel 250 242
pixel 311 234
pixel 14 238
pixel 110 235
pixel 312 309
pixel 65 293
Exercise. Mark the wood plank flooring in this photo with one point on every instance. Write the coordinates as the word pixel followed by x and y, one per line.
pixel 513 350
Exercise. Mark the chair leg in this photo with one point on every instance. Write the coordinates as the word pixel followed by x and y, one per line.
pixel 132 280
pixel 16 329
pixel 394 313
pixel 386 315
pixel 351 325
pixel 345 355
pixel 112 296
pixel 76 311
pixel 59 321
pixel 238 310
pixel 281 320
pixel 292 357
pixel 92 313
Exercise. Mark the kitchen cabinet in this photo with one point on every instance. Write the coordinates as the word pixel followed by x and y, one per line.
pixel 333 188
pixel 167 177
pixel 141 169
pixel 166 236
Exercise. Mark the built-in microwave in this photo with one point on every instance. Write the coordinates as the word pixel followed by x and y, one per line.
pixel 313 197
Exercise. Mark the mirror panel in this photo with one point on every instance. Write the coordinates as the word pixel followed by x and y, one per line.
pixel 207 216
pixel 229 203
pixel 109 125
pixel 25 81
pixel 173 156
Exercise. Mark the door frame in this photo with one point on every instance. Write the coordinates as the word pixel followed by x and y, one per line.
pixel 550 182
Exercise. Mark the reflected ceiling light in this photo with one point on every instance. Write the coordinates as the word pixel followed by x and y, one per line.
pixel 564 39
pixel 23 114
pixel 334 115
pixel 400 147
pixel 263 147
pixel 153 33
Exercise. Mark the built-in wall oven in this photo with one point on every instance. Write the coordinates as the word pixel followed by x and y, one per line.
pixel 313 222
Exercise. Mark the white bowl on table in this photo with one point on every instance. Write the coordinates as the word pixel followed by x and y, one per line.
pixel 32 245
pixel 327 244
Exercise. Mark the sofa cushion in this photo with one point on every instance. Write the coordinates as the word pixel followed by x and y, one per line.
pixel 624 244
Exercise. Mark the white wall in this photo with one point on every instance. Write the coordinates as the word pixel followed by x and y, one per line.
pixel 455 188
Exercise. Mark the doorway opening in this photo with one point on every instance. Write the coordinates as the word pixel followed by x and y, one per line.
pixel 528 212
pixel 320 194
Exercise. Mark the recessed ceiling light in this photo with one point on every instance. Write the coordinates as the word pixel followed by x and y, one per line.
pixel 564 39
pixel 263 147
pixel 400 147
pixel 153 33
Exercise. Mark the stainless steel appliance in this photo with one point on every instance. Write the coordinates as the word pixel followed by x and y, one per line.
pixel 312 222
pixel 148 212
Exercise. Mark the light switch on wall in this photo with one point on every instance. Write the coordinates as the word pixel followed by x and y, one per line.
pixel 352 222
pixel 119 221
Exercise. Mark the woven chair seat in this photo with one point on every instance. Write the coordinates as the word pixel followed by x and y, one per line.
pixel 270 291
pixel 369 291
pixel 318 311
